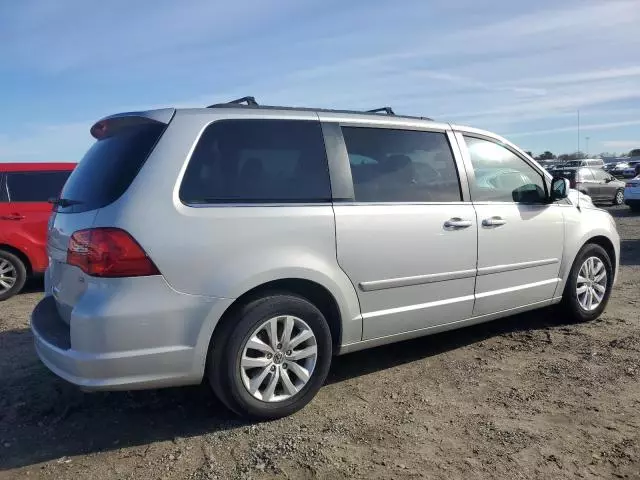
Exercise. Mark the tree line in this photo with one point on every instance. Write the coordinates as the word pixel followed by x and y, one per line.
pixel 547 155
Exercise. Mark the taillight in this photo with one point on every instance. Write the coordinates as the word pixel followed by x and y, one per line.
pixel 109 252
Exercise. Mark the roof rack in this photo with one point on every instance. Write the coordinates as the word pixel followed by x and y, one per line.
pixel 250 102
pixel 387 110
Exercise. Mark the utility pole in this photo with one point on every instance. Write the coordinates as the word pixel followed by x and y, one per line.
pixel 587 146
pixel 578 131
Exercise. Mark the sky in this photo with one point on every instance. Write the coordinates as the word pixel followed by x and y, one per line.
pixel 522 69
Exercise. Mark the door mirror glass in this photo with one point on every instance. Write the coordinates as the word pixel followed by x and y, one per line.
pixel 559 188
pixel 529 193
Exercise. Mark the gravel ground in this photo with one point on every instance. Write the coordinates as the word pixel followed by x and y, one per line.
pixel 525 397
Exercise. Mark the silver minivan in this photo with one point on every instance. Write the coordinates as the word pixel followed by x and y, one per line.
pixel 246 245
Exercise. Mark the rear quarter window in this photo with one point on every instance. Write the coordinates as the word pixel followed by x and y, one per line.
pixel 258 161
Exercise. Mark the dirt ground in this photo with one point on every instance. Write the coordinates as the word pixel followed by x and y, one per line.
pixel 523 397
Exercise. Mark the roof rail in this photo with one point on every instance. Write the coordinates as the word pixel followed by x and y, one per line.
pixel 249 101
pixel 387 110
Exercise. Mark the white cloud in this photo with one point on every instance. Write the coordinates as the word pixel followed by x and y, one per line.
pixel 46 143
pixel 574 128
pixel 522 66
pixel 622 144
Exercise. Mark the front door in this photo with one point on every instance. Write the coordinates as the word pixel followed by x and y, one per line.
pixel 520 236
pixel 407 240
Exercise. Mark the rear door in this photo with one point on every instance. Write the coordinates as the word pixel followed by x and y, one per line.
pixel 606 189
pixel 407 234
pixel 29 210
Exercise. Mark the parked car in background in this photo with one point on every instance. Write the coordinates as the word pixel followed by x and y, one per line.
pixel 25 189
pixel 248 245
pixel 608 167
pixel 585 162
pixel 632 194
pixel 595 182
pixel 632 169
pixel 550 165
pixel 619 168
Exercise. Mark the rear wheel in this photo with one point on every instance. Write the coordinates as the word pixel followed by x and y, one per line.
pixel 271 357
pixel 13 275
pixel 589 284
pixel 619 198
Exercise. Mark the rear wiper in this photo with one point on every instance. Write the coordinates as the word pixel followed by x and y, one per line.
pixel 64 202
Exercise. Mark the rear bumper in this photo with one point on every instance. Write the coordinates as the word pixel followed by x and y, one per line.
pixel 152 342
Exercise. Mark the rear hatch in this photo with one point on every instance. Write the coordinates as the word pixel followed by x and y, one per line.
pixel 123 143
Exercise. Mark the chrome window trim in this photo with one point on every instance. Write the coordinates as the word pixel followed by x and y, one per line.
pixel 257 204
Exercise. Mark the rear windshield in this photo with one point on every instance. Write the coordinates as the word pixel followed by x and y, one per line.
pixel 574 163
pixel 109 167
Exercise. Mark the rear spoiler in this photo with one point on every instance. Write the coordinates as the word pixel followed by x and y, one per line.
pixel 108 126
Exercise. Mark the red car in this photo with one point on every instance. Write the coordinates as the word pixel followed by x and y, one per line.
pixel 25 189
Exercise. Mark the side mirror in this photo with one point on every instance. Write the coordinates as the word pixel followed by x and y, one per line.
pixel 559 188
pixel 608 180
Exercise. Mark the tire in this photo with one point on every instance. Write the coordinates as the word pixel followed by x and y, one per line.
pixel 230 381
pixel 13 275
pixel 619 198
pixel 571 300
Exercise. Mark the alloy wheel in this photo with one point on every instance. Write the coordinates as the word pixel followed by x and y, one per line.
pixel 591 284
pixel 8 275
pixel 619 197
pixel 278 358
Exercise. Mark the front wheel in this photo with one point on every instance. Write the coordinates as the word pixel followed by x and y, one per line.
pixel 589 284
pixel 619 198
pixel 13 275
pixel 271 357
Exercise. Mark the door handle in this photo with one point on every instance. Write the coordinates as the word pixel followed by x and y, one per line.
pixel 457 223
pixel 493 222
pixel 13 216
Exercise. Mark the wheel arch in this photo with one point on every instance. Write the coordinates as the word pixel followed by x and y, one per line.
pixel 334 296
pixel 586 231
pixel 608 247
pixel 21 255
pixel 310 290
